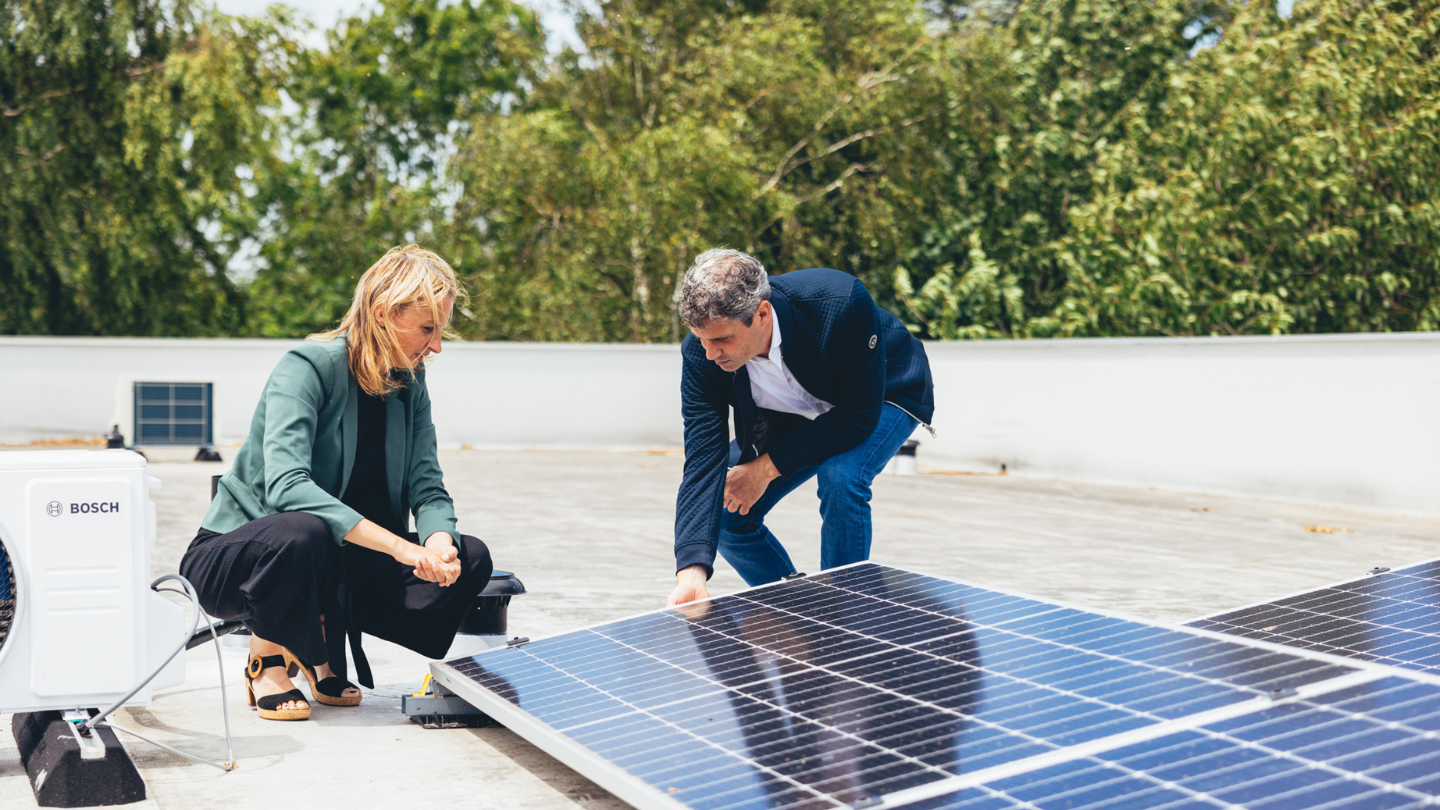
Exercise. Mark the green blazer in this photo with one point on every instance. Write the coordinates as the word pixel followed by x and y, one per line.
pixel 301 448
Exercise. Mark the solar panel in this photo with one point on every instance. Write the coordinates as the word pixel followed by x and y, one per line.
pixel 874 686
pixel 1371 745
pixel 1390 618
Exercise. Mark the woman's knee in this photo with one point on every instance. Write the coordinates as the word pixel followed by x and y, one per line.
pixel 302 535
pixel 477 554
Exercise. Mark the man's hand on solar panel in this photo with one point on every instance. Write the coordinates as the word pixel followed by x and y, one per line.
pixel 745 483
pixel 689 586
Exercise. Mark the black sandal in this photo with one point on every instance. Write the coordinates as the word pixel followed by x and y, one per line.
pixel 331 690
pixel 269 705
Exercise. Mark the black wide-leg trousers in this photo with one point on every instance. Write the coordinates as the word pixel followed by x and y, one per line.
pixel 281 573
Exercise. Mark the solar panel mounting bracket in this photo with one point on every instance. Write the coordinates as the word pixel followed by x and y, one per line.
pixel 427 705
pixel 439 707
pixel 518 641
pixel 795 575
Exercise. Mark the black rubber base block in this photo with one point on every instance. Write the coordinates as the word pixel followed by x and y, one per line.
pixel 476 720
pixel 60 778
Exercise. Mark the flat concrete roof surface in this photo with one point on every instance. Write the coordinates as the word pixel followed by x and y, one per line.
pixel 590 532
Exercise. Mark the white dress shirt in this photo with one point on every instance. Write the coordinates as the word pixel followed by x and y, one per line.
pixel 772 385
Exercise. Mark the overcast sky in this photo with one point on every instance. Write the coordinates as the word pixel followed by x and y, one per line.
pixel 324 13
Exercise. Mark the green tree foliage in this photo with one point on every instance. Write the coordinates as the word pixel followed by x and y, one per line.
pixel 126 128
pixel 377 113
pixel 1292 186
pixel 1052 89
pixel 1000 169
pixel 793 129
pixel 1285 180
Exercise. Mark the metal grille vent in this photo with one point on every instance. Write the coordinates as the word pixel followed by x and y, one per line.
pixel 174 413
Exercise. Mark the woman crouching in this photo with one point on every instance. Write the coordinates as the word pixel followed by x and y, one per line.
pixel 306 541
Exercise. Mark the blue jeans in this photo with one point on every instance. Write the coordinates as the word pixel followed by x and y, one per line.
pixel 844 483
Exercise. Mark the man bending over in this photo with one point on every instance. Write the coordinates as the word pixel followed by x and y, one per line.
pixel 822 383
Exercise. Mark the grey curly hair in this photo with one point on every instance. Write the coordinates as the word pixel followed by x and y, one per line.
pixel 722 285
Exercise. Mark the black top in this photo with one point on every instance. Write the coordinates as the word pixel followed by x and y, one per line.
pixel 368 491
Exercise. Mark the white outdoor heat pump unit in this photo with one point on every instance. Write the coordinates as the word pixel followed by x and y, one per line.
pixel 79 624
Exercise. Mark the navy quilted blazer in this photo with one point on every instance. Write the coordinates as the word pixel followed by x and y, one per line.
pixel 842 348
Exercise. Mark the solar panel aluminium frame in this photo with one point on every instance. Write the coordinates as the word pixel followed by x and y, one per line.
pixel 645 796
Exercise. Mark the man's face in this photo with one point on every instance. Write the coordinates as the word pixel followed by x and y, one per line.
pixel 732 344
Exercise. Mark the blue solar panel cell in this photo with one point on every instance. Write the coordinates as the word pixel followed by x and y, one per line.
pixel 966 602
pixel 1233 778
pixel 1389 618
pixel 1328 751
pixel 867 682
pixel 1080 784
pixel 563 700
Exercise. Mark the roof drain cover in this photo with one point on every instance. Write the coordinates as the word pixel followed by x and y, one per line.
pixel 485 624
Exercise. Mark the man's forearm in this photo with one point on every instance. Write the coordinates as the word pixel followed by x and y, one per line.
pixel 766 467
pixel 702 490
pixel 695 554
pixel 746 483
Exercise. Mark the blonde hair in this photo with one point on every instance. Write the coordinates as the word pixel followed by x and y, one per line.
pixel 404 277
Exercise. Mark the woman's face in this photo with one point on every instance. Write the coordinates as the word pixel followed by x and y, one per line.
pixel 418 333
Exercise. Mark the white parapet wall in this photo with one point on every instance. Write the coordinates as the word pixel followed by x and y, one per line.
pixel 78 387
pixel 484 394
pixel 1345 419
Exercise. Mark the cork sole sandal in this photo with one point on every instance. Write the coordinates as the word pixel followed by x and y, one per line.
pixel 329 691
pixel 269 705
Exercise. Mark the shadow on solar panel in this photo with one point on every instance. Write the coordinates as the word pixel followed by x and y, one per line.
pixel 872 686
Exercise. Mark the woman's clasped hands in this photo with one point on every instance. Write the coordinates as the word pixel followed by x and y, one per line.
pixel 436 561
